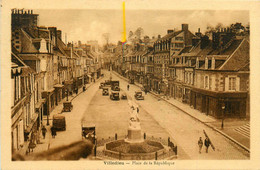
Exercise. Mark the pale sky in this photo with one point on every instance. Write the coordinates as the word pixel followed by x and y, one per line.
pixel 90 24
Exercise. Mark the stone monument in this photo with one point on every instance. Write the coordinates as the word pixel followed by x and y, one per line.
pixel 134 134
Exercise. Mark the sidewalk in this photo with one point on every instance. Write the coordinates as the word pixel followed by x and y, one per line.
pixel 230 125
pixel 44 144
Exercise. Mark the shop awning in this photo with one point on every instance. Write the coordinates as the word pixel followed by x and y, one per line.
pixel 58 86
pixel 126 71
pixel 89 76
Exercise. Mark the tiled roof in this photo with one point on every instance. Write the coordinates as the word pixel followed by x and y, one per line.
pixel 239 57
pixel 170 35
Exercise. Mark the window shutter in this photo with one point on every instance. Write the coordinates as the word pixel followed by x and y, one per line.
pixel 15 138
pixel 226 83
pixel 238 84
pixel 21 133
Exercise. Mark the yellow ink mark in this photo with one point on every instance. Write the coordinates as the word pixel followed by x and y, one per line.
pixel 124 28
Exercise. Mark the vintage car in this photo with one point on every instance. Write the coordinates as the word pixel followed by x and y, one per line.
pixel 139 95
pixel 107 83
pixel 105 91
pixel 88 131
pixel 59 122
pixel 115 85
pixel 123 96
pixel 101 85
pixel 114 95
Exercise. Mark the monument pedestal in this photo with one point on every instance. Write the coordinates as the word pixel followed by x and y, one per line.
pixel 134 135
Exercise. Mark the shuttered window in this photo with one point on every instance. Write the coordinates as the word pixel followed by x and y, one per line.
pixel 232 83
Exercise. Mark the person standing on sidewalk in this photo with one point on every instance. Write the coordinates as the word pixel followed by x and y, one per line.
pixel 53 132
pixel 200 143
pixel 207 143
pixel 44 130
pixel 128 87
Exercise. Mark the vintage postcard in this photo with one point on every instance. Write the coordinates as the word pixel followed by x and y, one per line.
pixel 129 84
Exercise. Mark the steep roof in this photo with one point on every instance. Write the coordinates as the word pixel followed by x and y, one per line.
pixel 170 35
pixel 239 58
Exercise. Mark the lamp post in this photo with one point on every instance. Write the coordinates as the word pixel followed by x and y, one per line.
pixel 223 114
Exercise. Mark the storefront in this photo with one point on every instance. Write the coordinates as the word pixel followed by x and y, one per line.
pixel 58 93
pixel 211 103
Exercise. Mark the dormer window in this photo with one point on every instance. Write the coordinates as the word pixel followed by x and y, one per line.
pixel 213 65
pixel 197 62
pixel 206 63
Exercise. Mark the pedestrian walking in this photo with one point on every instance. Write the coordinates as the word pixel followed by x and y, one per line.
pixel 53 132
pixel 200 143
pixel 128 87
pixel 145 90
pixel 137 109
pixel 94 80
pixel 207 143
pixel 44 130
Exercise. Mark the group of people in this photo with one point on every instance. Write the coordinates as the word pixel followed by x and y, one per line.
pixel 207 143
pixel 53 132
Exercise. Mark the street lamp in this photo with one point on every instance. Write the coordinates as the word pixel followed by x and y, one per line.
pixel 223 112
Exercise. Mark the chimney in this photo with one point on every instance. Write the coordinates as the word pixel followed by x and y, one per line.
pixel 169 31
pixel 159 36
pixel 198 33
pixel 184 27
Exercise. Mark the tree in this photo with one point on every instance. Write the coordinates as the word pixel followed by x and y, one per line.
pixel 139 32
pixel 136 36
pixel 237 28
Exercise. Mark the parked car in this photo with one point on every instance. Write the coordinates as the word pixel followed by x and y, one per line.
pixel 105 91
pixel 107 83
pixel 123 96
pixel 59 122
pixel 115 85
pixel 114 95
pixel 101 85
pixel 139 95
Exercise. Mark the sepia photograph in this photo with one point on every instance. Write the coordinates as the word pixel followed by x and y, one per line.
pixel 127 86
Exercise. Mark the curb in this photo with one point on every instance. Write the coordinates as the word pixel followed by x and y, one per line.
pixel 222 133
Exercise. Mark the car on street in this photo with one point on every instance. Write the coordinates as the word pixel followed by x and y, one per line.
pixel 59 122
pixel 123 96
pixel 105 91
pixel 114 95
pixel 115 85
pixel 101 85
pixel 139 95
pixel 107 83
pixel 88 131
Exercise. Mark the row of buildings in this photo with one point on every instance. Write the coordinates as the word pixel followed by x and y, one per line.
pixel 44 70
pixel 209 73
